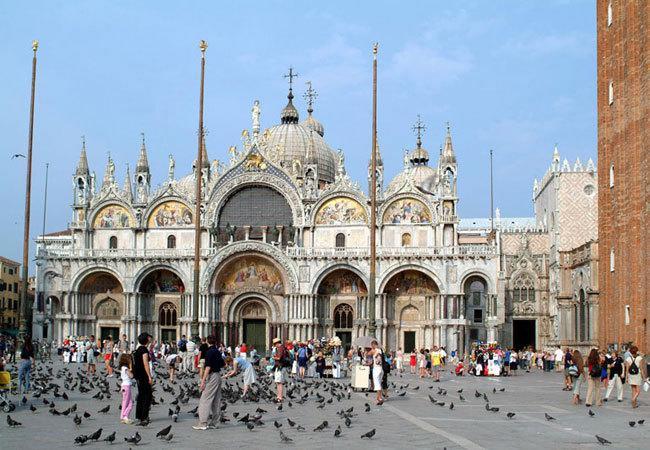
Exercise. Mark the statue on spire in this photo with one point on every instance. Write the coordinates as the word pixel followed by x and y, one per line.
pixel 255 114
pixel 172 166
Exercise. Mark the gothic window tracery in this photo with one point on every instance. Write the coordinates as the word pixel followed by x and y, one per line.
pixel 167 316
pixel 523 289
pixel 343 316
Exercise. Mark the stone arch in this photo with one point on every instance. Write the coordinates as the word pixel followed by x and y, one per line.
pixel 146 271
pixel 397 268
pixel 323 274
pixel 272 253
pixel 339 195
pixel 101 207
pixel 475 271
pixel 82 276
pixel 235 182
pixel 410 282
pixel 235 306
pixel 248 272
pixel 108 309
pixel 147 213
pixel 424 217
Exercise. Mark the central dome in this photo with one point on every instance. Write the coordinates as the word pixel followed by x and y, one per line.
pixel 301 142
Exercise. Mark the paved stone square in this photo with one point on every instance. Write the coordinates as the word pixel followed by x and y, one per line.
pixel 410 420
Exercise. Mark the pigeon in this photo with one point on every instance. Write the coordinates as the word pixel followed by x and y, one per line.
pixel 322 426
pixel 348 422
pixel 369 434
pixel 591 413
pixel 337 432
pixel 32 408
pixel 284 438
pixel 277 424
pixel 459 391
pixel 602 440
pixel 12 423
pixel 548 417
pixel 167 438
pixel 86 415
pixel 134 439
pixel 24 400
pixel 250 426
pixel 164 432
pixel 510 415
pixel 105 410
pixel 432 400
pixel 451 405
pixel 110 438
pixel 81 439
pixel 291 422
pixel 641 422
pixel 244 418
pixel 632 423
pixel 76 419
pixel 367 407
pixel 95 436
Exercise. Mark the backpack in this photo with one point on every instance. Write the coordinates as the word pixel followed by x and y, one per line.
pixel 285 359
pixel 384 364
pixel 634 369
pixel 182 346
pixel 302 352
pixel 573 370
pixel 595 371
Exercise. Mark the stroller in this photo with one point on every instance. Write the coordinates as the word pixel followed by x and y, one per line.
pixel 5 389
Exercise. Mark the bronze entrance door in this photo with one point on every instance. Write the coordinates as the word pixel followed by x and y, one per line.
pixel 409 341
pixel 255 334
pixel 113 332
pixel 168 335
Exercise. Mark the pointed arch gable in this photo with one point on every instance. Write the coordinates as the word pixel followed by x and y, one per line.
pixel 112 214
pixel 80 276
pixel 397 268
pixel 340 208
pixel 145 271
pixel 324 273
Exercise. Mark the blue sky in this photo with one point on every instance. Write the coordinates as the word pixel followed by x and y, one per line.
pixel 515 76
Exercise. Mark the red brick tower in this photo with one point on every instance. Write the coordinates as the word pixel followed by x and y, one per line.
pixel 623 166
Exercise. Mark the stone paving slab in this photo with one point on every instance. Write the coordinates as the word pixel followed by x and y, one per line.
pixel 411 420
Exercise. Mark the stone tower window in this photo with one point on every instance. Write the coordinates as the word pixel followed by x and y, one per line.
pixel 340 240
pixel 112 243
pixel 171 241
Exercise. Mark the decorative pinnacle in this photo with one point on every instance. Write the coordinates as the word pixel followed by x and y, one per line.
pixel 83 141
pixel 34 45
pixel 142 135
pixel 419 128
pixel 291 75
pixel 310 95
pixel 203 45
pixel 375 49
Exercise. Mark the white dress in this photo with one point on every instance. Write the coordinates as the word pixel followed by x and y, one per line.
pixel 377 371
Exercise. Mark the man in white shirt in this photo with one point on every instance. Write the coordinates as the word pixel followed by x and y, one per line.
pixel 559 355
pixel 188 362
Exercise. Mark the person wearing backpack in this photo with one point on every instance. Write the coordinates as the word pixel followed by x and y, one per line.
pixel 635 368
pixel 594 370
pixel 281 360
pixel 182 352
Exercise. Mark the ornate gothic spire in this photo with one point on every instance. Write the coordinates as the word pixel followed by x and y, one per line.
pixel 109 174
pixel 448 155
pixel 204 151
pixel 143 161
pixel 128 189
pixel 82 166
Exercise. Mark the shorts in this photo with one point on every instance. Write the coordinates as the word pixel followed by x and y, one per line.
pixel 302 362
pixel 201 363
pixel 513 365
pixel 107 357
pixel 280 375
pixel 436 367
pixel 428 364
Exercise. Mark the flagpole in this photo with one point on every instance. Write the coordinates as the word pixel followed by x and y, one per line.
pixel 372 327
pixel 194 327
pixel 22 310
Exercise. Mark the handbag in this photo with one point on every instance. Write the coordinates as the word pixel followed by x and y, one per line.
pixel 573 370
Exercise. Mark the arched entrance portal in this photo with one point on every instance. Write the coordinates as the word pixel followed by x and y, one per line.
pixel 339 296
pixel 159 302
pixel 100 299
pixel 250 288
pixel 411 301
pixel 252 321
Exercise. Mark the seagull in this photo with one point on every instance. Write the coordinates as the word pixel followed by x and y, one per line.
pixel 17 155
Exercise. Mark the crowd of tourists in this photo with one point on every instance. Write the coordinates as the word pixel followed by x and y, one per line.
pixel 600 373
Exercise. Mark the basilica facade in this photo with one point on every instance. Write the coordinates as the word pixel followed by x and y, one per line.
pixel 285 252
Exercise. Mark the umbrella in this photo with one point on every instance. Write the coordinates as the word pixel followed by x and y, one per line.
pixel 364 341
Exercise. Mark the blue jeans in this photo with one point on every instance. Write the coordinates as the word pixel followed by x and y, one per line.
pixel 24 368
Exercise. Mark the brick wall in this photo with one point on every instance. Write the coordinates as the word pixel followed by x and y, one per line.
pixel 623 141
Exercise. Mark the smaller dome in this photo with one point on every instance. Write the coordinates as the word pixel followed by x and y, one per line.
pixel 419 156
pixel 314 125
pixel 289 114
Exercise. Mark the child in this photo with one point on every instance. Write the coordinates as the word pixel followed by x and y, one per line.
pixel 126 373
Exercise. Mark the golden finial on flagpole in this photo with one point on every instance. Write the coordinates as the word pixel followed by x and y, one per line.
pixel 34 45
pixel 375 49
pixel 203 45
